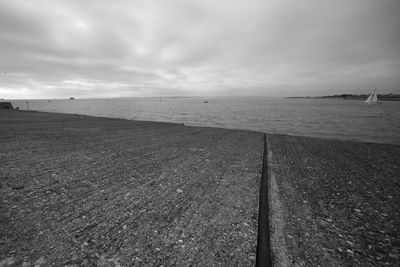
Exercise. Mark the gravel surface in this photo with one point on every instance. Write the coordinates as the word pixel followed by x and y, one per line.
pixel 339 202
pixel 85 191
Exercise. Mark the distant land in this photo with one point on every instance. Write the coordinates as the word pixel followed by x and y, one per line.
pixel 383 97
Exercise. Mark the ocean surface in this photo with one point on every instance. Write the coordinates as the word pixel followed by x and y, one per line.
pixel 327 118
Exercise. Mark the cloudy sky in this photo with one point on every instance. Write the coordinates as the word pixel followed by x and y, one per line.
pixel 53 49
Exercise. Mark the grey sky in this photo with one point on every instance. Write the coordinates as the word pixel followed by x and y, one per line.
pixel 198 48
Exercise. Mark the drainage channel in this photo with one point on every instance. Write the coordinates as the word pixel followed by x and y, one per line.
pixel 263 239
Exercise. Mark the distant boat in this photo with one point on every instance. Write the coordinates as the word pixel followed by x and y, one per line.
pixel 72 98
pixel 205 101
pixel 372 99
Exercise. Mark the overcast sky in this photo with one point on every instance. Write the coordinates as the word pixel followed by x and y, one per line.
pixel 51 48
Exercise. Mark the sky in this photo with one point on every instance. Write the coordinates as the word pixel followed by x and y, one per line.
pixel 255 48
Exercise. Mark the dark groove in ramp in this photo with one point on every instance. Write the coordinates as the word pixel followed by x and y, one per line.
pixel 263 240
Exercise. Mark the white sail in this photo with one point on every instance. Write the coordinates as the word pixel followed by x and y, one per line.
pixel 372 98
pixel 369 99
pixel 375 98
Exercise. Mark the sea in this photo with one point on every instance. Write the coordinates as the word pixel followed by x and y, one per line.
pixel 327 118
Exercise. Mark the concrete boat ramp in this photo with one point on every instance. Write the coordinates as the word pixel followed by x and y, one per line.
pixel 88 191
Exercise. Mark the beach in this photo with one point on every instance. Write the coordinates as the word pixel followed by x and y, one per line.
pixel 79 190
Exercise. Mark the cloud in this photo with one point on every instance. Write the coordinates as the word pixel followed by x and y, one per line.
pixel 148 48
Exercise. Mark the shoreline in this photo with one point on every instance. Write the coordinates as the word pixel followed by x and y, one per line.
pixel 327 138
pixel 80 189
pixel 336 119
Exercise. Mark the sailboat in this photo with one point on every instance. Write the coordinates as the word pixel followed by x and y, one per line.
pixel 372 98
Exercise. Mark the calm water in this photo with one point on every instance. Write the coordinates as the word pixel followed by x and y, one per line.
pixel 340 119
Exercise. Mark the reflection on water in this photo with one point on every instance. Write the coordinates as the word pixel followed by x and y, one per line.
pixel 332 118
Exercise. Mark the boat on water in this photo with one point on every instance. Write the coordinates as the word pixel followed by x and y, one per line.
pixel 372 99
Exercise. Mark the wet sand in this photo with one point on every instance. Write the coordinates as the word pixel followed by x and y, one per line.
pixel 79 190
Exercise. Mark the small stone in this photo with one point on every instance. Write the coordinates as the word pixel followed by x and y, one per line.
pixel 179 190
pixel 39 262
pixel 85 244
pixel 7 262
pixel 125 227
pixel 180 241
pixel 289 236
pixel 340 250
pixel 17 187
pixel 350 243
pixel 252 258
pixel 349 251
